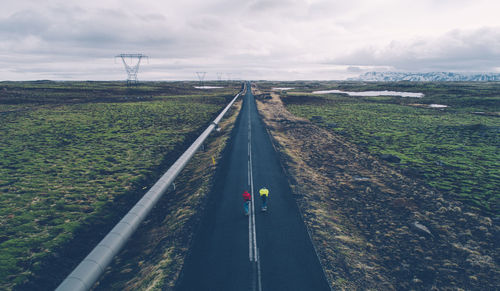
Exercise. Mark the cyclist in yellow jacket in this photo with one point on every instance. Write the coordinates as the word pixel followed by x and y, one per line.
pixel 264 195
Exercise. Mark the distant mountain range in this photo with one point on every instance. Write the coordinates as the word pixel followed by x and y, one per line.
pixel 425 77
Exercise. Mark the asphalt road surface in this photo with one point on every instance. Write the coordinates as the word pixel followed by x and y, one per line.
pixel 265 250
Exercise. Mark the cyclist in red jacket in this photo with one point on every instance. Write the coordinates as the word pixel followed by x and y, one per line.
pixel 246 202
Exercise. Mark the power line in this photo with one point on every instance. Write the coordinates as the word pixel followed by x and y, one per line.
pixel 201 77
pixel 131 69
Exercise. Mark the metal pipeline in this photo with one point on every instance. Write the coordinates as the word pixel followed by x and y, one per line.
pixel 90 269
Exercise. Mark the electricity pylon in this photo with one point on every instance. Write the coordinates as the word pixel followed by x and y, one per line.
pixel 201 76
pixel 132 69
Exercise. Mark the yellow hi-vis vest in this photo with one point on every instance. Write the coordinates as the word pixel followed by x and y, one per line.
pixel 264 192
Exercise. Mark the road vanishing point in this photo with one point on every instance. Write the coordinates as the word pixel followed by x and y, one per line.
pixel 263 251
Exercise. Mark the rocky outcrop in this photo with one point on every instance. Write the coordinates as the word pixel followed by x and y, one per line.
pixel 390 158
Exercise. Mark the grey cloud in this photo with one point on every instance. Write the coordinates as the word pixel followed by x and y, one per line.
pixel 274 5
pixel 354 69
pixel 258 36
pixel 69 30
pixel 457 50
pixel 22 23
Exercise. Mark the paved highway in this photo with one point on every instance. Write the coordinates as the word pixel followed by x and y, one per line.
pixel 265 250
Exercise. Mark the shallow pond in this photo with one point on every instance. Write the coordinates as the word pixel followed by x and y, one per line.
pixel 373 93
pixel 437 106
pixel 207 87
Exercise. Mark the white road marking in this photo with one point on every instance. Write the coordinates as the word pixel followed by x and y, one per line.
pixel 250 228
pixel 252 237
pixel 249 171
pixel 250 233
pixel 259 281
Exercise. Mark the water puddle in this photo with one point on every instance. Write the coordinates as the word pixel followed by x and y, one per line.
pixel 373 93
pixel 282 89
pixel 360 178
pixel 437 106
pixel 207 87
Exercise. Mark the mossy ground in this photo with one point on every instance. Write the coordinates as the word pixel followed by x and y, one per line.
pixel 70 149
pixel 365 214
pixel 454 149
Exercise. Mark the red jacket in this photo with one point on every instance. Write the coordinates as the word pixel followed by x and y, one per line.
pixel 246 196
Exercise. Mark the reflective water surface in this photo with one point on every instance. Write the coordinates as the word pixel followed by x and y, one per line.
pixel 373 93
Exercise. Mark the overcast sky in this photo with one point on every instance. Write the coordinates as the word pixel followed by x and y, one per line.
pixel 250 39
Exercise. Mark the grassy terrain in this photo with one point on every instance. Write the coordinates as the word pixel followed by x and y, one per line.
pixel 455 149
pixel 70 149
pixel 374 224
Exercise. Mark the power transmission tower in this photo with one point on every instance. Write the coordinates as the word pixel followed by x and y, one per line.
pixel 201 76
pixel 132 69
pixel 219 77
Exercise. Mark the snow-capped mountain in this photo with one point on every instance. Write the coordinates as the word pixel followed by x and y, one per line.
pixel 425 77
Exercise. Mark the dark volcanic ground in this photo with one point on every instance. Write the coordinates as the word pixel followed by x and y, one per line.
pixel 375 227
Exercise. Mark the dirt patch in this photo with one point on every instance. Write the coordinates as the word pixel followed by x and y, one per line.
pixel 373 227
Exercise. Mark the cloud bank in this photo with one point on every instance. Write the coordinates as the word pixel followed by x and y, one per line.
pixel 471 51
pixel 253 39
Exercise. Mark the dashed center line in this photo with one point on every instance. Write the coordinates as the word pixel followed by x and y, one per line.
pixel 252 237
